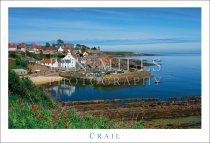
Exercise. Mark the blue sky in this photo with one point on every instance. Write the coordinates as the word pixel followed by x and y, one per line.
pixel 116 29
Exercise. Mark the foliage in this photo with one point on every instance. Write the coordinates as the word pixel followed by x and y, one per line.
pixel 60 42
pixel 47 44
pixel 94 48
pixel 25 89
pixel 13 55
pixel 82 47
pixel 33 55
pixel 41 56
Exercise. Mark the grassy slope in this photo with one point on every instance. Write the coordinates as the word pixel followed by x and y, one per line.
pixel 15 66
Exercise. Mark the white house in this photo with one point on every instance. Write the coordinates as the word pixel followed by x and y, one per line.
pixel 68 62
pixel 12 47
pixel 85 54
pixel 50 63
pixel 21 47
pixel 60 50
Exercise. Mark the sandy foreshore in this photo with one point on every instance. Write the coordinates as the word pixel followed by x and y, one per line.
pixel 45 79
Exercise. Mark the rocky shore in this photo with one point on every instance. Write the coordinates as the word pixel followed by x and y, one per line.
pixel 151 112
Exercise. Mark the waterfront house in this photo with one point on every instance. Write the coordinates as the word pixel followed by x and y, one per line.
pixel 12 47
pixel 68 62
pixel 21 47
pixel 53 63
pixel 37 48
pixel 21 71
pixel 49 50
pixel 61 49
pixel 29 48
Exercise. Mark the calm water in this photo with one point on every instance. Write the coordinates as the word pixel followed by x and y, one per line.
pixel 180 75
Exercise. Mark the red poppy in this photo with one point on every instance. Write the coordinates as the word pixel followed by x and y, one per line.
pixel 21 105
pixel 40 115
pixel 58 110
pixel 65 115
pixel 55 116
pixel 34 108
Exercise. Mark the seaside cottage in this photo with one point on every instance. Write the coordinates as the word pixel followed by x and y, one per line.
pixel 37 49
pixel 29 48
pixel 49 50
pixel 60 50
pixel 21 47
pixel 68 62
pixel 21 71
pixel 12 47
pixel 53 63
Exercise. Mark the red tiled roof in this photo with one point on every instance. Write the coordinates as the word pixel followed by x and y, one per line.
pixel 48 61
pixel 49 49
pixel 12 45
pixel 37 46
pixel 21 46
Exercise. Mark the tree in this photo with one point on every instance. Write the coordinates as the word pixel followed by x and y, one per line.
pixel 41 56
pixel 60 42
pixel 47 44
pixel 18 61
pixel 94 48
pixel 13 55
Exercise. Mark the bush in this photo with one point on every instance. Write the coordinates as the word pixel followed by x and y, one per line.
pixel 13 55
pixel 25 89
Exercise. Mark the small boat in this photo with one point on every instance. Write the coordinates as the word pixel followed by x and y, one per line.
pixel 157 81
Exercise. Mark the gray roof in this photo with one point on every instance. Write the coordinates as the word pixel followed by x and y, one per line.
pixel 20 70
pixel 65 61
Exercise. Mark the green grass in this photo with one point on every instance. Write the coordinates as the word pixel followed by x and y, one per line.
pixel 15 66
pixel 21 116
pixel 181 122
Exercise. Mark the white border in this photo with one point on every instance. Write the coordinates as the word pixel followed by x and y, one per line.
pixel 81 135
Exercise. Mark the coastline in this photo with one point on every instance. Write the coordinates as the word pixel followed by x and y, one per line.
pixel 39 80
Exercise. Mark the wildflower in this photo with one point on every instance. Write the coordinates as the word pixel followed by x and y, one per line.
pixel 34 108
pixel 40 115
pixel 55 116
pixel 109 123
pixel 14 105
pixel 58 110
pixel 21 105
pixel 65 115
